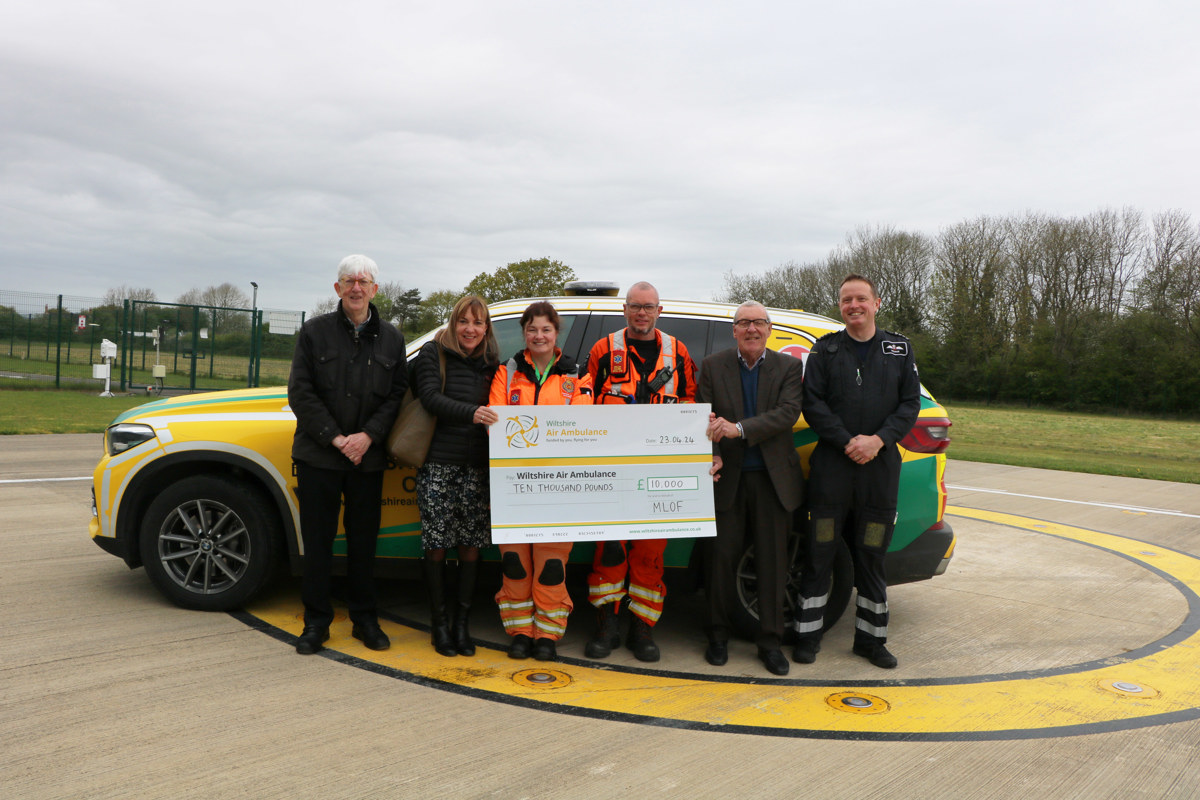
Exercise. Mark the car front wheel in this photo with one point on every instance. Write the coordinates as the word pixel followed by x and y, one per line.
pixel 745 613
pixel 209 543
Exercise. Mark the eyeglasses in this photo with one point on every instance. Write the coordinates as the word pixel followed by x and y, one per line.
pixel 636 307
pixel 743 324
pixel 365 283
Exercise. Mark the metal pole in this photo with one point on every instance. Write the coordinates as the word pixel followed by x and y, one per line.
pixel 253 335
pixel 58 346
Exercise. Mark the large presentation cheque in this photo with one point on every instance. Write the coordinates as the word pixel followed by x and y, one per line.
pixel 591 473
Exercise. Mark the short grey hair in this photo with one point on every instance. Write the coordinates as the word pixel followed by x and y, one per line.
pixel 747 306
pixel 358 265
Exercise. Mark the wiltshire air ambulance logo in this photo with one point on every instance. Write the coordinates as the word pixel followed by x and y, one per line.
pixel 522 431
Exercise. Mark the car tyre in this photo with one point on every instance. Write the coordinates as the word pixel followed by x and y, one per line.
pixel 744 614
pixel 209 543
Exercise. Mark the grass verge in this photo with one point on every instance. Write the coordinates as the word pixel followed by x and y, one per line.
pixel 1132 446
pixel 61 411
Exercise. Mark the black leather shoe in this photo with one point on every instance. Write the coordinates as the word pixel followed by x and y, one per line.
pixel 371 635
pixel 311 639
pixel 774 661
pixel 717 653
pixel 520 646
pixel 806 651
pixel 877 655
pixel 544 650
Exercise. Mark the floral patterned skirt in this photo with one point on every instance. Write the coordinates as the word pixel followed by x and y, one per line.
pixel 455 506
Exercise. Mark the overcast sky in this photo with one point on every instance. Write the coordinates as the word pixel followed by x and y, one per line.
pixel 183 144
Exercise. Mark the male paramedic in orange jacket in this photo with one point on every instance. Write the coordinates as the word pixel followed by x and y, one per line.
pixel 637 364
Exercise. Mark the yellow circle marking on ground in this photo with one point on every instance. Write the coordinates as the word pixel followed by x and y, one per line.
pixel 1084 701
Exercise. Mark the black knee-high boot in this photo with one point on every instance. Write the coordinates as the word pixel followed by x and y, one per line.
pixel 466 590
pixel 439 625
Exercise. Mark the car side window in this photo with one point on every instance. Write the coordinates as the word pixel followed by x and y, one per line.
pixel 511 338
pixel 692 332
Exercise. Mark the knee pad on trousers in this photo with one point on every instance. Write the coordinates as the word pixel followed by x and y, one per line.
pixel 552 573
pixel 824 527
pixel 510 564
pixel 612 554
pixel 873 528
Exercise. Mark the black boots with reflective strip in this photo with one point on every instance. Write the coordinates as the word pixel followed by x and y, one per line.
pixel 608 632
pixel 640 640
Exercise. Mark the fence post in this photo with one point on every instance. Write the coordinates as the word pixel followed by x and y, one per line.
pixel 257 346
pixel 212 343
pixel 57 345
pixel 195 342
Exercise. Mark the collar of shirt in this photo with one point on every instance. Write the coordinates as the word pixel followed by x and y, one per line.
pixel 761 358
pixel 359 326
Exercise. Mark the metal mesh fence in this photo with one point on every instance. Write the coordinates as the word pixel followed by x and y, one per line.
pixel 55 340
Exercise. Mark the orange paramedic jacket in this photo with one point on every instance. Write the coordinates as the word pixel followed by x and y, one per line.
pixel 563 386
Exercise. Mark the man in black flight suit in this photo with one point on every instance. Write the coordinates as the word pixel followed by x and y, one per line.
pixel 861 397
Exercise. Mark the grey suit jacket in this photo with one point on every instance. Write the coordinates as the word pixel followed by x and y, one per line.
pixel 780 392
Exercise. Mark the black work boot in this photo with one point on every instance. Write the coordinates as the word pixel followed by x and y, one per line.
pixel 439 625
pixel 806 649
pixel 877 653
pixel 466 590
pixel 608 632
pixel 641 640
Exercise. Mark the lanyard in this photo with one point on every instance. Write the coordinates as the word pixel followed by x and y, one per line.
pixel 541 376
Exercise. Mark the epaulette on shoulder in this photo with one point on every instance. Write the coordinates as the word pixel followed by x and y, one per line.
pixel 890 334
pixel 831 347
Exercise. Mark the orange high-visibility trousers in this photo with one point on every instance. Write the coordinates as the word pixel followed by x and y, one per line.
pixel 642 560
pixel 533 598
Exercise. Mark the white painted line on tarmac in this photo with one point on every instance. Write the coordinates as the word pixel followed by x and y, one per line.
pixel 1140 509
pixel 43 480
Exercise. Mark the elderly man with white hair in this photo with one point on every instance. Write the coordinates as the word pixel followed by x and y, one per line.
pixel 347 380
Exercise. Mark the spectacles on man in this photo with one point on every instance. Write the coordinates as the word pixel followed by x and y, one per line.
pixel 647 307
pixel 363 282
pixel 743 324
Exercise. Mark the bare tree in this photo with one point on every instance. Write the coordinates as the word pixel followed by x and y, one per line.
pixel 119 294
pixel 810 287
pixel 1121 238
pixel 1165 283
pixel 901 265
pixel 222 305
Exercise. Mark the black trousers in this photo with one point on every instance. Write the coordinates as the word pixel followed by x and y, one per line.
pixel 856 503
pixel 756 512
pixel 321 495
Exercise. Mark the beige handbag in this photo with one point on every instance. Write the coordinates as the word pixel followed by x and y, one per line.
pixel 411 434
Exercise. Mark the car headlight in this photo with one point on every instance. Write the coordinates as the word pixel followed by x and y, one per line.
pixel 119 438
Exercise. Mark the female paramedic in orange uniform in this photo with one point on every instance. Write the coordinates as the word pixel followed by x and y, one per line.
pixel 534 603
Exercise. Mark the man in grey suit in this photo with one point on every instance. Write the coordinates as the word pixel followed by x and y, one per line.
pixel 756 397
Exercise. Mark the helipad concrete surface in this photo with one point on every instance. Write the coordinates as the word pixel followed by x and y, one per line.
pixel 1057 658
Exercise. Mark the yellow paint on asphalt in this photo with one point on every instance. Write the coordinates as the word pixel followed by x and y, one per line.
pixel 1120 691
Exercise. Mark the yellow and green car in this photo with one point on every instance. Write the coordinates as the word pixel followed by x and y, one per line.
pixel 200 489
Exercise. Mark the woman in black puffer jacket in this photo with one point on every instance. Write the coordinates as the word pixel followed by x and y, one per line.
pixel 452 485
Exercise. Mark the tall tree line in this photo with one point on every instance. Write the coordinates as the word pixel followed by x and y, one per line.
pixel 1096 311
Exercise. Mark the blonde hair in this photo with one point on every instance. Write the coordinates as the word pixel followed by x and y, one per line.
pixel 447 337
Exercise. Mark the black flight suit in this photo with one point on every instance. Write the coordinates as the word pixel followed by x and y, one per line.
pixel 847 394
